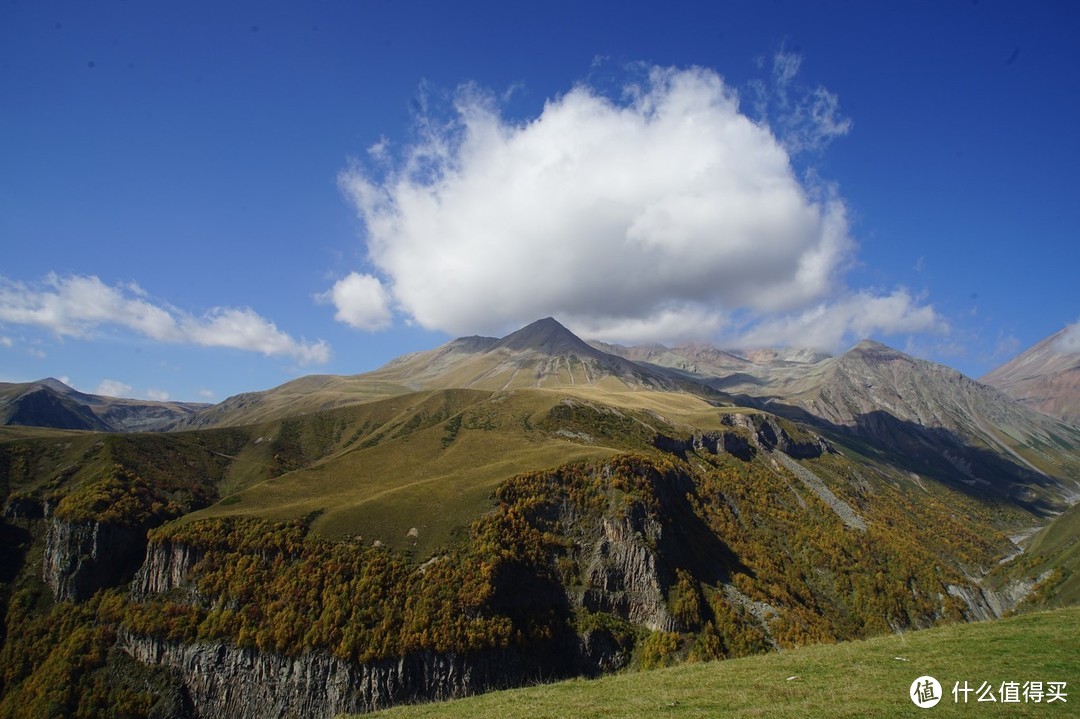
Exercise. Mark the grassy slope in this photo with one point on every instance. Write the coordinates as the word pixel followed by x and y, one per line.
pixel 1054 549
pixel 1058 547
pixel 14 432
pixel 428 460
pixel 851 679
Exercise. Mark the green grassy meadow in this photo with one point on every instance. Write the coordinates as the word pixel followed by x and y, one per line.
pixel 851 679
pixel 1054 553
pixel 430 461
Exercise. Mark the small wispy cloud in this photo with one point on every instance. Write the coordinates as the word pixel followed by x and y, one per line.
pixel 78 305
pixel 113 388
pixel 832 326
pixel 1007 345
pixel 805 118
pixel 1069 341
pixel 157 395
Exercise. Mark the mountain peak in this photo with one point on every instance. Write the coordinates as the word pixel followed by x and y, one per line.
pixel 546 335
pixel 868 345
pixel 55 385
pixel 873 352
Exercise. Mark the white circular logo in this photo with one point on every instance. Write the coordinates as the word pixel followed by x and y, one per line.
pixel 925 692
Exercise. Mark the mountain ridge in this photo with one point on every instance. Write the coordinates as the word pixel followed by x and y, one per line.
pixel 542 354
pixel 51 403
pixel 1046 377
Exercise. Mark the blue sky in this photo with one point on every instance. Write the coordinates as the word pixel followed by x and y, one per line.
pixel 199 199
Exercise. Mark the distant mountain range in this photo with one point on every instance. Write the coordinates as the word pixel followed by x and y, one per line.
pixel 845 389
pixel 51 403
pixel 1046 376
pixel 906 406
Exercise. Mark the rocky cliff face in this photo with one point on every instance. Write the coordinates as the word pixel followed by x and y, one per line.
pixel 623 574
pixel 749 434
pixel 164 569
pixel 83 557
pixel 228 681
pixel 984 603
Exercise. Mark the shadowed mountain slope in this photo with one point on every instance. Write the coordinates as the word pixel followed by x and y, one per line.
pixel 51 403
pixel 926 415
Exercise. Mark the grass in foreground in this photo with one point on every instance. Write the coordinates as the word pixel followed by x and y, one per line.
pixel 852 679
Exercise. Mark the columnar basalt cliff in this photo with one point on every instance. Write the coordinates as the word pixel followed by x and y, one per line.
pixel 224 680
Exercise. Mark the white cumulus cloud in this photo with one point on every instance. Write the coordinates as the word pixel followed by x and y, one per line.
pixel 665 214
pixel 662 209
pixel 76 305
pixel 243 328
pixel 361 301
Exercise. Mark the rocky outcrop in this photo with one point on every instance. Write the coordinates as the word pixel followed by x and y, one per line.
pixel 732 442
pixel 223 680
pixel 768 433
pixel 83 557
pixel 601 653
pixel 983 603
pixel 623 574
pixel 132 416
pixel 749 434
pixel 164 569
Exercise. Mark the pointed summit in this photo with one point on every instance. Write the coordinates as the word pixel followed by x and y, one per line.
pixel 55 385
pixel 547 336
pixel 868 345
